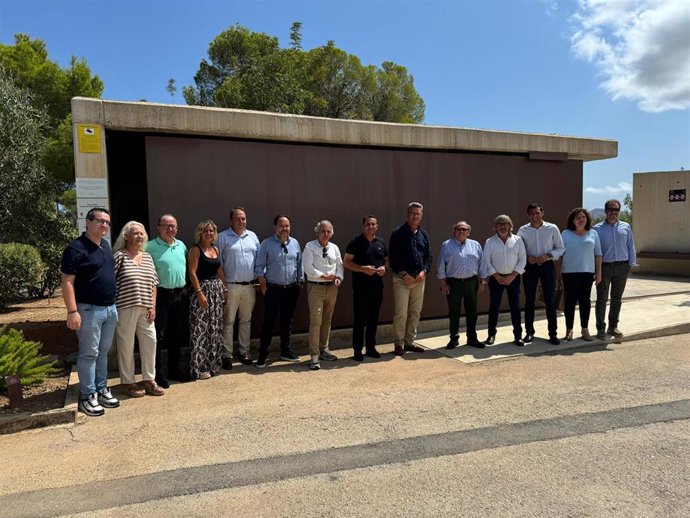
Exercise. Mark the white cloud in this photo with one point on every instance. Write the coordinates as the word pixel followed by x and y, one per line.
pixel 640 47
pixel 611 190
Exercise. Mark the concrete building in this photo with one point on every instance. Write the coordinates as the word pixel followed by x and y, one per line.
pixel 661 222
pixel 144 159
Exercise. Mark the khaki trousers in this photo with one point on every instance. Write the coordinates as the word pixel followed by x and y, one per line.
pixel 408 301
pixel 321 300
pixel 241 298
pixel 131 322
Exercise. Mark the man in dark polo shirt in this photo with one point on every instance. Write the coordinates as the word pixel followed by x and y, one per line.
pixel 88 288
pixel 410 258
pixel 366 256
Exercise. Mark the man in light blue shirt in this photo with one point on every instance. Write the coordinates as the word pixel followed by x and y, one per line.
pixel 544 245
pixel 458 272
pixel 238 248
pixel 619 257
pixel 279 273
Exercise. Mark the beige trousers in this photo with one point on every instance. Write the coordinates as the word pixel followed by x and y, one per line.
pixel 241 298
pixel 321 300
pixel 131 322
pixel 408 301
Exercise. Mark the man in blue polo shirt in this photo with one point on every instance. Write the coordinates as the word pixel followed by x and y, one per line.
pixel 88 288
pixel 619 257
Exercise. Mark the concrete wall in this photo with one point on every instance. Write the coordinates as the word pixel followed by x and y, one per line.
pixel 661 226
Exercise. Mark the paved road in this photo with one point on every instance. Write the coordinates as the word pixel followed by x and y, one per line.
pixel 602 431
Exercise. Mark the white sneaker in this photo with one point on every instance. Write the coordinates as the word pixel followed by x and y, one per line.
pixel 90 405
pixel 106 399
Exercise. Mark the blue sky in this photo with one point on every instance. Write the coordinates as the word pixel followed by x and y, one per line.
pixel 617 69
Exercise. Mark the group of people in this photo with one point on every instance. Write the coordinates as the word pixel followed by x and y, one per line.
pixel 168 296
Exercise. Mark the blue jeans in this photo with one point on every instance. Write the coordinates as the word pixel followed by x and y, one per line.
pixel 95 337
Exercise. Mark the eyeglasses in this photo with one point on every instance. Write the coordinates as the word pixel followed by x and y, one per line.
pixel 168 227
pixel 100 221
pixel 285 248
pixel 462 229
pixel 325 252
pixel 613 210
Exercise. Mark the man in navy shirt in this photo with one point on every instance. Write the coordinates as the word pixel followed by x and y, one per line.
pixel 366 256
pixel 88 288
pixel 410 259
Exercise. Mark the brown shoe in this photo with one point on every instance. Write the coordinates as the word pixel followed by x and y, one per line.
pixel 152 388
pixel 414 348
pixel 399 350
pixel 134 390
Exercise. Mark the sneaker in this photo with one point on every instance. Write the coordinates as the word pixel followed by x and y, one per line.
pixel 90 406
pixel 204 376
pixel 314 365
pixel 289 356
pixel 327 356
pixel 106 399
pixel 614 331
pixel 261 362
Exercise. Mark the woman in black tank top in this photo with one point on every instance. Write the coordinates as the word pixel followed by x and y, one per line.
pixel 206 303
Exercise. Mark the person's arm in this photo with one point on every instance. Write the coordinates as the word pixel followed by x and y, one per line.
pixel 192 264
pixel 260 267
pixel 221 276
pixel 73 316
pixel 559 247
pixel 339 269
pixel 441 270
pixel 632 255
pixel 151 312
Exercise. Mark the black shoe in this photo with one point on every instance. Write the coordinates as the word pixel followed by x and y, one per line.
pixel 519 342
pixel 227 364
pixel 453 343
pixel 358 355
pixel 289 356
pixel 371 352
pixel 179 376
pixel 553 340
pixel 490 340
pixel 528 338
pixel 162 382
pixel 414 348
pixel 261 362
pixel 247 359
pixel 473 342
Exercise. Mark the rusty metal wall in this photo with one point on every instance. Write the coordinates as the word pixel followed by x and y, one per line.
pixel 196 178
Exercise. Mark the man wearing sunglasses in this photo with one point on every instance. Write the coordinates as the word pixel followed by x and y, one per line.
pixel 619 257
pixel 458 272
pixel 88 288
pixel 279 273
pixel 323 268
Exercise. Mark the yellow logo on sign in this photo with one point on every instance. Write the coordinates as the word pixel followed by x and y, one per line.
pixel 89 138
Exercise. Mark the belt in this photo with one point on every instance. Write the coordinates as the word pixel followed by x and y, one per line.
pixel 282 286
pixel 461 279
pixel 243 283
pixel 322 283
pixel 617 263
pixel 171 290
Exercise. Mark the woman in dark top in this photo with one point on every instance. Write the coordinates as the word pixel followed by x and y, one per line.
pixel 206 303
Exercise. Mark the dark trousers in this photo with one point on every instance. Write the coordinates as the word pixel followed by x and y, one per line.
pixel 613 276
pixel 366 304
pixel 578 290
pixel 278 301
pixel 495 296
pixel 462 289
pixel 172 329
pixel 546 273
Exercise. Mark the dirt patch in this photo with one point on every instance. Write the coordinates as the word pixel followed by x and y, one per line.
pixel 42 321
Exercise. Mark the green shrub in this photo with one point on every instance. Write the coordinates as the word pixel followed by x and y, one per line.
pixel 21 270
pixel 20 357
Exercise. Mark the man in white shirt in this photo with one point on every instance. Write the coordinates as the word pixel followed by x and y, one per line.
pixel 238 248
pixel 544 245
pixel 323 268
pixel 503 263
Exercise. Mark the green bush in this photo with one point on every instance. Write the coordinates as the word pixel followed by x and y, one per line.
pixel 21 270
pixel 20 357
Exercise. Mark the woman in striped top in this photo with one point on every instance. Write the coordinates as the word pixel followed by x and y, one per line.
pixel 136 279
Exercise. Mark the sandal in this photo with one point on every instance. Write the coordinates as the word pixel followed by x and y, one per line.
pixel 133 390
pixel 152 388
